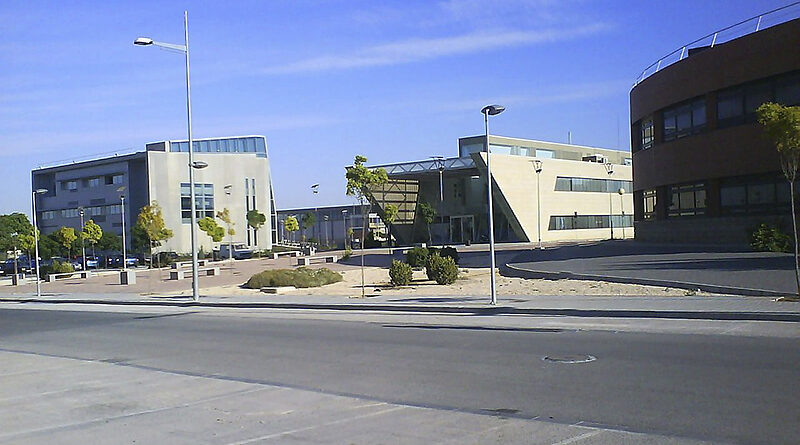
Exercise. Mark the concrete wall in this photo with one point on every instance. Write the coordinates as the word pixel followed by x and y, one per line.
pixel 516 183
pixel 167 170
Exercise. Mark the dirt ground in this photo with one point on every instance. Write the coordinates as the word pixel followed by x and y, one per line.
pixel 473 281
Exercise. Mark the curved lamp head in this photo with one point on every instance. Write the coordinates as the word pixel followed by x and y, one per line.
pixel 143 41
pixel 621 191
pixel 493 110
pixel 39 191
pixel 609 167
pixel 199 164
pixel 537 166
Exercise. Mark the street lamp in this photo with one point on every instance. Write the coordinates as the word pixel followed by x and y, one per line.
pixel 344 220
pixel 146 41
pixel 15 281
pixel 537 166
pixel 124 246
pixel 327 223
pixel 315 191
pixel 490 110
pixel 228 188
pixel 36 241
pixel 83 242
pixel 610 170
pixel 621 192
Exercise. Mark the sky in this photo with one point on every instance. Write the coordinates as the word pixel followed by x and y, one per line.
pixel 327 80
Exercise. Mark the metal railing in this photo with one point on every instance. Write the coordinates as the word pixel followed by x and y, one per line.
pixel 430 165
pixel 748 26
pixel 91 157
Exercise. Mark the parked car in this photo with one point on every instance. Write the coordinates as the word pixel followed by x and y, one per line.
pixel 24 265
pixel 240 251
pixel 116 261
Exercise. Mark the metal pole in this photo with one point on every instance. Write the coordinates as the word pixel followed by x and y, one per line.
pixel 491 215
pixel 124 246
pixel 611 214
pixel 36 246
pixel 83 241
pixel 15 281
pixel 539 206
pixel 193 229
pixel 622 208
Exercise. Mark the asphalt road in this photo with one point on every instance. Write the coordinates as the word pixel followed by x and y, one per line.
pixel 716 388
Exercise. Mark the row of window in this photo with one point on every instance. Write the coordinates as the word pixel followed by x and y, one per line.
pixel 88 212
pixel 72 184
pixel 203 201
pixel 573 222
pixel 734 106
pixel 566 184
pixel 233 145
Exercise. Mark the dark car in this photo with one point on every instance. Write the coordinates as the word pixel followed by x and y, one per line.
pixel 116 261
pixel 24 265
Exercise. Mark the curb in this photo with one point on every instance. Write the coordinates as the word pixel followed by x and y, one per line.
pixel 793 317
pixel 514 270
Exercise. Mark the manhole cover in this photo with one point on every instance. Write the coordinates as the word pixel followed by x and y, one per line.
pixel 570 358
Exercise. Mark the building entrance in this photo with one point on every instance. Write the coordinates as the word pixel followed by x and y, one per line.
pixel 462 228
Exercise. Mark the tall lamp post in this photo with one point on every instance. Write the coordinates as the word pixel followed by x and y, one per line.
pixel 144 41
pixel 344 221
pixel 439 162
pixel 610 170
pixel 36 241
pixel 490 110
pixel 537 166
pixel 325 217
pixel 228 188
pixel 621 192
pixel 124 244
pixel 83 241
pixel 315 191
pixel 15 281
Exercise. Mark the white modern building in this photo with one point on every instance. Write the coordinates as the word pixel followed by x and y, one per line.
pixel 237 177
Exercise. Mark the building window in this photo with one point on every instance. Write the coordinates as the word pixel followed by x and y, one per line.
pixel 687 200
pixel 69 185
pixel 94 182
pixel 684 119
pixel 204 202
pixel 70 213
pixel 787 90
pixel 48 215
pixel 566 184
pixel 754 195
pixel 545 154
pixel 649 198
pixel 574 222
pixel 113 179
pixel 647 133
pixel 115 209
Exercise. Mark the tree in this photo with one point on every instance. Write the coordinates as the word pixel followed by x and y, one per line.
pixel 65 236
pixel 389 215
pixel 150 229
pixel 359 180
pixel 212 229
pixel 308 219
pixel 15 223
pixel 426 212
pixel 782 127
pixel 256 219
pixel 225 216
pixel 109 241
pixel 92 233
pixel 291 225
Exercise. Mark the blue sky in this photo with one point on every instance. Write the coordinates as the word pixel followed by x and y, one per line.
pixel 326 80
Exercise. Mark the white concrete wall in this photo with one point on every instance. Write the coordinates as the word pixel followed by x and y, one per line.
pixel 516 178
pixel 167 170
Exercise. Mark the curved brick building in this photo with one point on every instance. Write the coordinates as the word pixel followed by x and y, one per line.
pixel 703 172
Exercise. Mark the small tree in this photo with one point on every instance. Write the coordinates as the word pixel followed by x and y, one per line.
pixel 389 216
pixel 426 213
pixel 782 127
pixel 212 229
pixel 92 233
pixel 308 219
pixel 291 225
pixel 109 241
pixel 65 236
pixel 16 223
pixel 225 216
pixel 150 228
pixel 359 180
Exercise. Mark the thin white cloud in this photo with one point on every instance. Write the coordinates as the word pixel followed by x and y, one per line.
pixel 415 50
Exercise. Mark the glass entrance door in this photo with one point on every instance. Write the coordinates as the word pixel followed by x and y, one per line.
pixel 461 229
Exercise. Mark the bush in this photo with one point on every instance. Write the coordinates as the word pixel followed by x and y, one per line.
pixel 300 278
pixel 417 257
pixel 445 252
pixel 56 267
pixel 348 252
pixel 766 238
pixel 443 270
pixel 400 273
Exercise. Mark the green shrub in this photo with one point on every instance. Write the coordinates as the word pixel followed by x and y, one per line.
pixel 417 257
pixel 433 256
pixel 443 270
pixel 766 238
pixel 400 273
pixel 56 267
pixel 449 252
pixel 348 252
pixel 301 277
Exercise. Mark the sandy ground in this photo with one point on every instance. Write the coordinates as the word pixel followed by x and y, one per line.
pixel 473 281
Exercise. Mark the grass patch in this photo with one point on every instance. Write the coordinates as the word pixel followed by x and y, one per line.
pixel 301 277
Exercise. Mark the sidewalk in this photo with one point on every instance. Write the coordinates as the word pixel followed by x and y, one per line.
pixel 689 307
